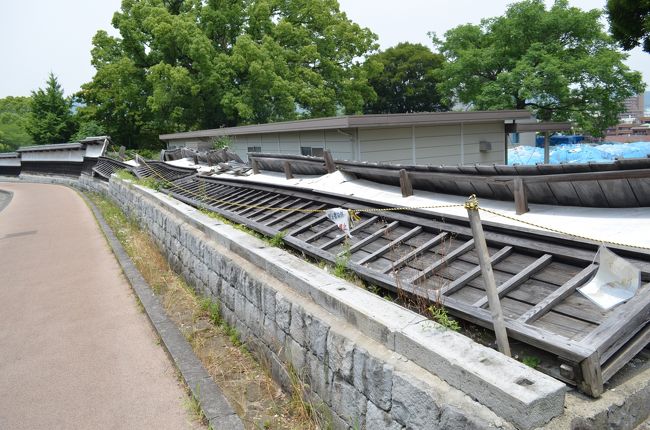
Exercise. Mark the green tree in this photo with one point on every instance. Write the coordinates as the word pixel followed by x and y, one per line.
pixel 559 63
pixel 404 80
pixel 14 114
pixel 50 119
pixel 630 22
pixel 188 64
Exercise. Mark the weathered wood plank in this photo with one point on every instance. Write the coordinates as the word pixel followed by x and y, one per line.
pixel 372 237
pixel 558 295
pixel 353 230
pixel 288 174
pixel 329 161
pixel 625 354
pixel 519 278
pixel 475 272
pixel 308 225
pixel 405 183
pixel 416 252
pixel 622 319
pixel 391 245
pixel 521 196
pixel 288 214
pixel 270 212
pixel 302 217
pixel 445 259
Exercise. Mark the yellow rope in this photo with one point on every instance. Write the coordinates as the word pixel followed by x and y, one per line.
pixel 472 204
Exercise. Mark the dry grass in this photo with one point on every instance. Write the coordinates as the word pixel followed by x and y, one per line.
pixel 257 399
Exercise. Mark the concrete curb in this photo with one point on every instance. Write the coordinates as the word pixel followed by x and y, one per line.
pixel 215 406
pixel 5 202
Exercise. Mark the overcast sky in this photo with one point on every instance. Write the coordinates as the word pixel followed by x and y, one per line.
pixel 39 36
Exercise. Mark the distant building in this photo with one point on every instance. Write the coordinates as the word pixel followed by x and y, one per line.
pixel 634 109
pixel 415 138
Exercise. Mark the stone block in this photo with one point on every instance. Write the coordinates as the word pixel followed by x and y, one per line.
pixel 454 419
pixel 341 352
pixel 413 406
pixel 348 403
pixel 268 301
pixel 297 328
pixel 282 312
pixel 378 382
pixel 319 377
pixel 316 336
pixel 296 356
pixel 377 419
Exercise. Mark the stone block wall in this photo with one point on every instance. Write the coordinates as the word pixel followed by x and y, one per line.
pixel 360 383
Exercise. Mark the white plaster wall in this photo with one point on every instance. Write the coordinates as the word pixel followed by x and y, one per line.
pixel 60 155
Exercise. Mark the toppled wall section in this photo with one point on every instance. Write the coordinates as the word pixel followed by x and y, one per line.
pixel 371 362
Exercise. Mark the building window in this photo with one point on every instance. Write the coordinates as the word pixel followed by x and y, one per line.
pixel 514 137
pixel 314 152
pixel 254 149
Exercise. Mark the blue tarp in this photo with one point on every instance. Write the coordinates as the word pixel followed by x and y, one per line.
pixel 578 153
pixel 559 139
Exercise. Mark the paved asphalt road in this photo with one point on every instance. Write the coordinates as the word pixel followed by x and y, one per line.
pixel 75 351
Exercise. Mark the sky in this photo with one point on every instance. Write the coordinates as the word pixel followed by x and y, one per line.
pixel 43 36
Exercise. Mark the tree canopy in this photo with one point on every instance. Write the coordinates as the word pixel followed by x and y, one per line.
pixel 630 22
pixel 14 114
pixel 50 118
pixel 188 64
pixel 404 80
pixel 559 63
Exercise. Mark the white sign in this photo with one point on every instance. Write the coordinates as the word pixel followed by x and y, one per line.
pixel 615 282
pixel 340 217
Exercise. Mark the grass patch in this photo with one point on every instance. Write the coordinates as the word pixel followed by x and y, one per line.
pixel 439 314
pixel 218 345
pixel 531 361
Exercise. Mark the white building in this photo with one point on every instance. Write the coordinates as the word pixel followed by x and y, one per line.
pixel 415 138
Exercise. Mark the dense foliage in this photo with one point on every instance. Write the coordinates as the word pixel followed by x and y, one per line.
pixel 404 80
pixel 188 64
pixel 630 22
pixel 559 63
pixel 50 119
pixel 14 112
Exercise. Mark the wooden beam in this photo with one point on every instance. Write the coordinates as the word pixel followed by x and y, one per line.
pixel 371 238
pixel 302 217
pixel 621 320
pixel 255 165
pixel 568 288
pixel 405 183
pixel 521 196
pixel 381 251
pixel 498 321
pixel 459 283
pixel 309 225
pixel 329 161
pixel 287 214
pixel 341 238
pixel 624 355
pixel 591 382
pixel 417 251
pixel 286 165
pixel 451 256
pixel 519 278
pixel 271 212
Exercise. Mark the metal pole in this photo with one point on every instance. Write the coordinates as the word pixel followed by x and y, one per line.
pixel 488 276
pixel 547 149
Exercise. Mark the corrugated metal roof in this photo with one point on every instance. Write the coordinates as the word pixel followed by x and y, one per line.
pixel 357 121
